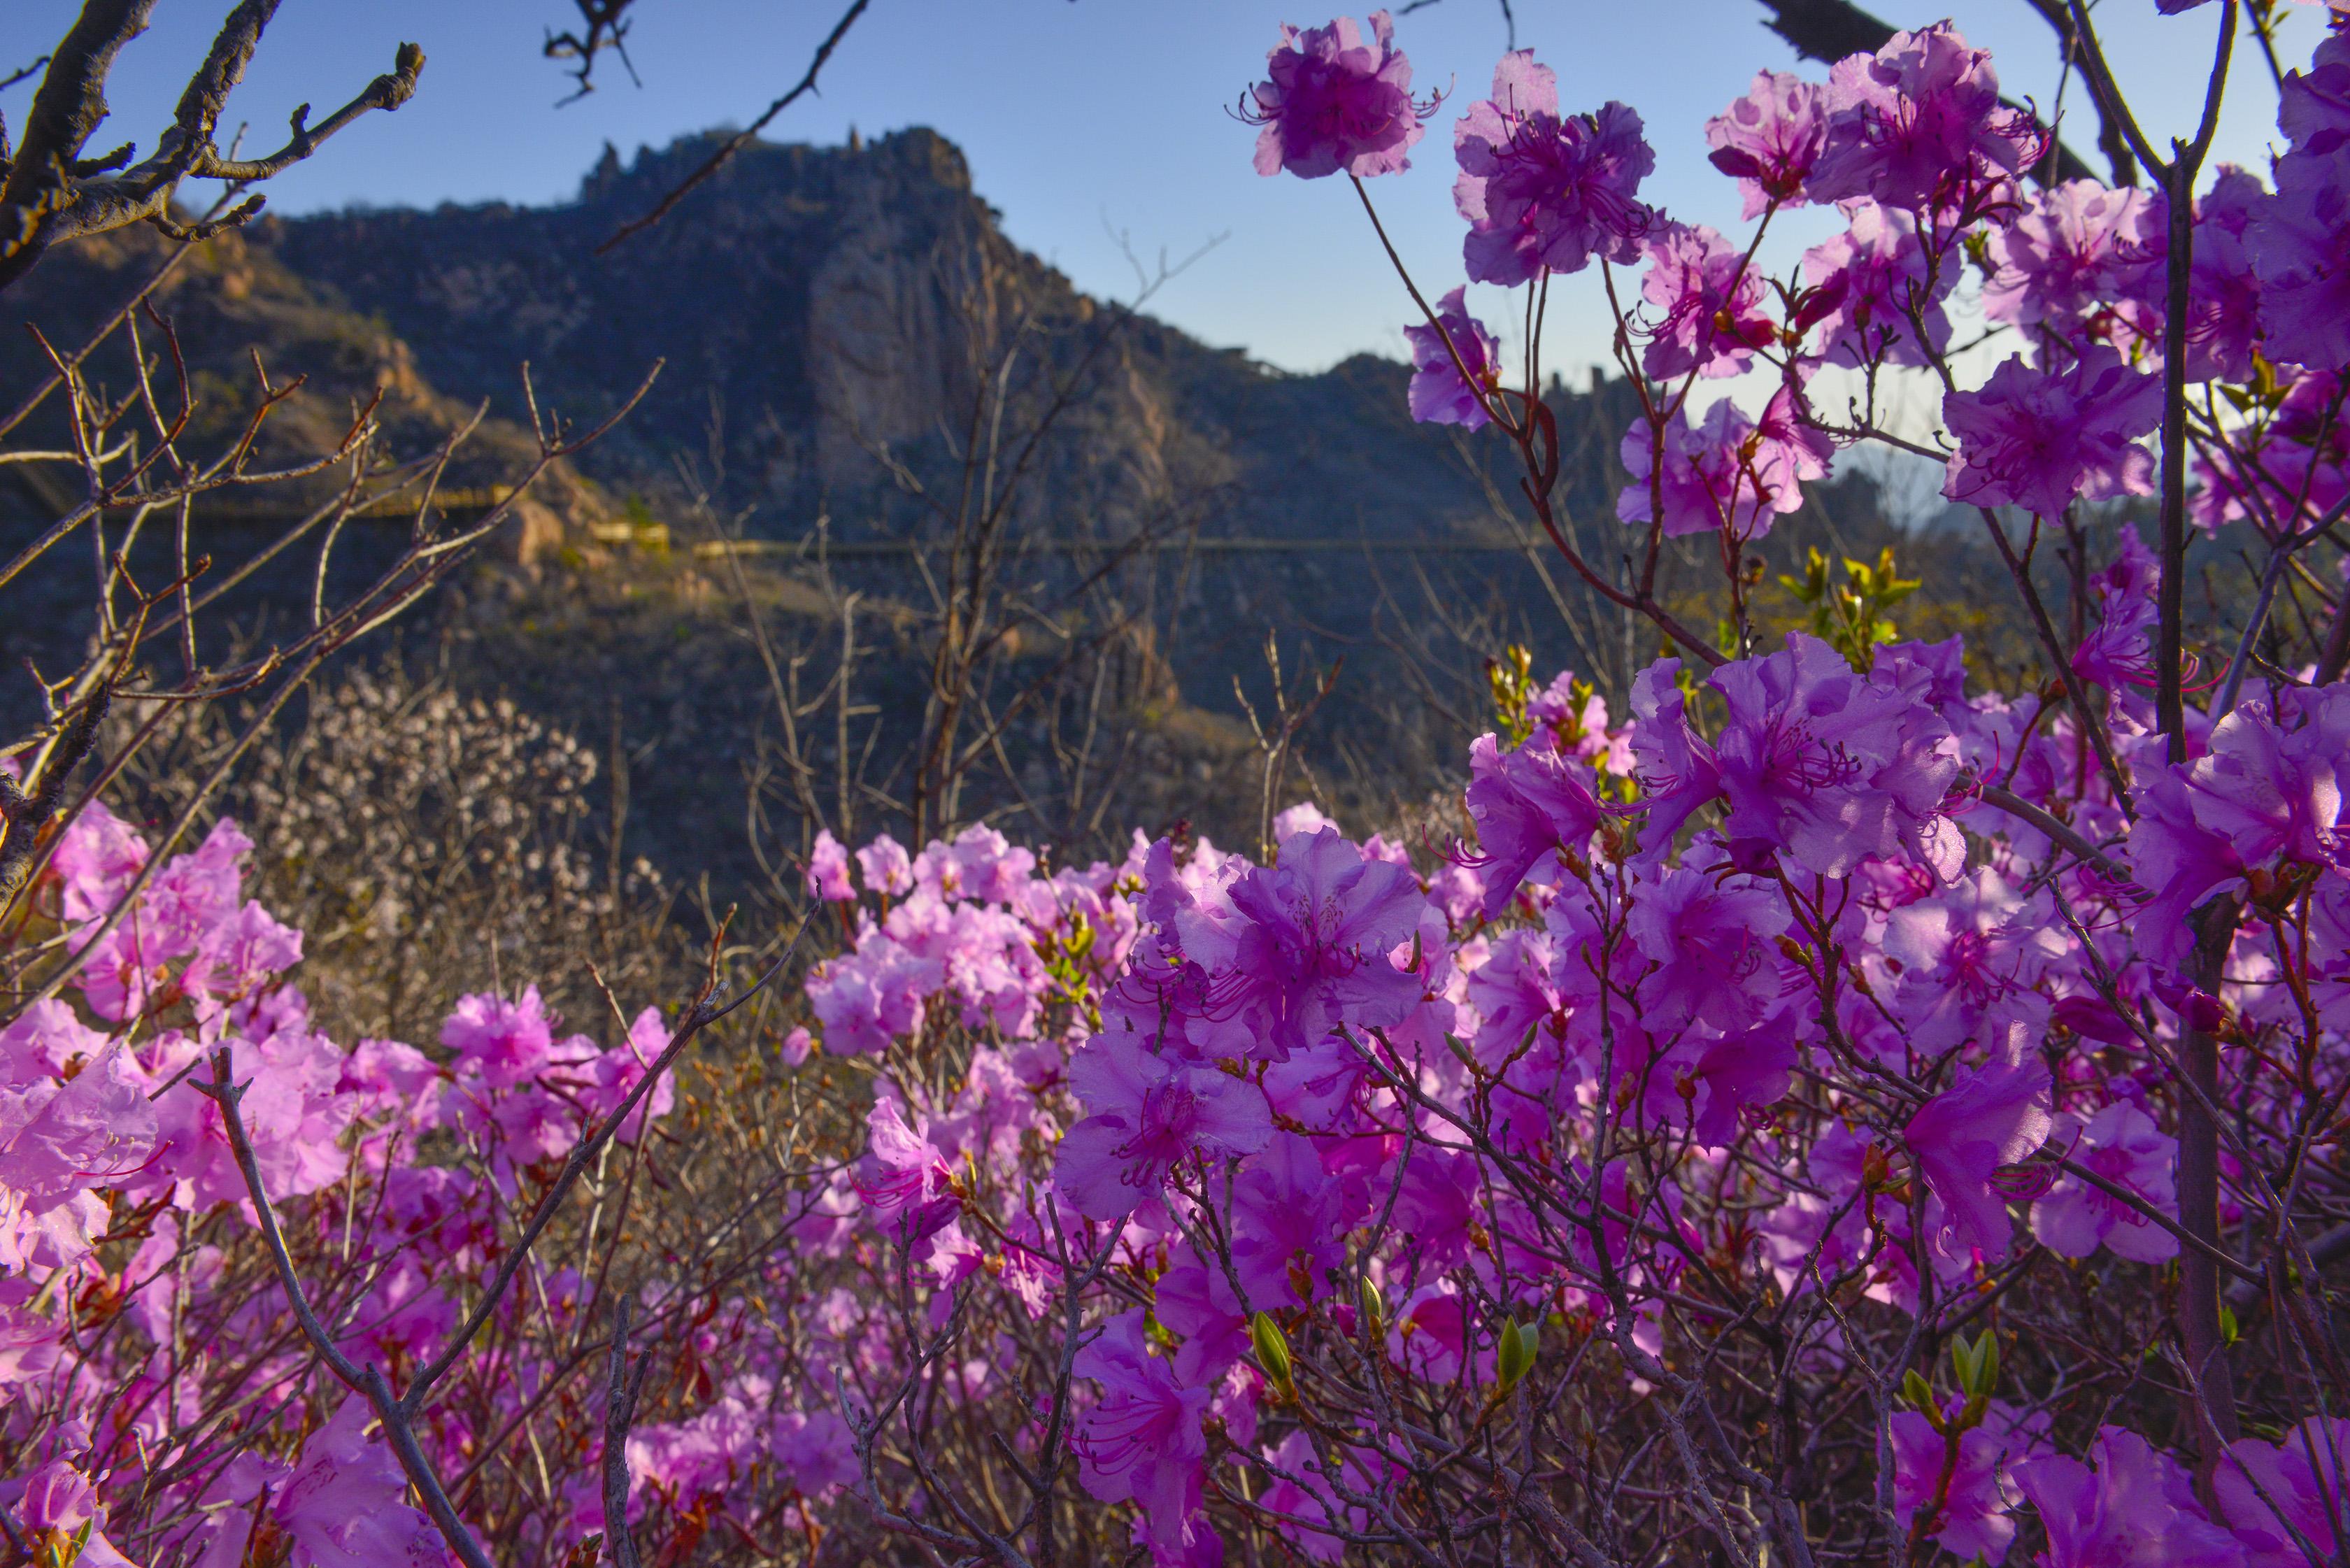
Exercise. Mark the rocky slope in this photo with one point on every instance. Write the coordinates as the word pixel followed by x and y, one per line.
pixel 852 347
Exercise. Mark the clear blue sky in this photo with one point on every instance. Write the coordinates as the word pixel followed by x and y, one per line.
pixel 1080 116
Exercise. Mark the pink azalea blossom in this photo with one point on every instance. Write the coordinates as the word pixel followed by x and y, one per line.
pixel 1769 139
pixel 2074 252
pixel 60 1508
pixel 866 999
pixel 1994 1115
pixel 1437 394
pixel 2134 1505
pixel 2122 1145
pixel 1147 1115
pixel 1544 191
pixel 886 866
pixel 1865 281
pixel 2036 441
pixel 1142 1440
pixel 1527 803
pixel 1920 124
pixel 1709 298
pixel 827 870
pixel 1335 100
pixel 2280 1496
pixel 30 1346
pixel 96 858
pixel 504 1042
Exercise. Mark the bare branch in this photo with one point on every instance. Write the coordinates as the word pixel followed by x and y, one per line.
pixel 744 137
pixel 52 194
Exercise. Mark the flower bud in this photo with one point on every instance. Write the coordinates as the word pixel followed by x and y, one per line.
pixel 1375 1306
pixel 1272 1350
pixel 1519 1344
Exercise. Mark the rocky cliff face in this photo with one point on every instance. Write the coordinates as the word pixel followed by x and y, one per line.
pixel 844 329
pixel 815 305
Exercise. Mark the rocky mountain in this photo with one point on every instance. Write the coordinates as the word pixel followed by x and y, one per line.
pixel 852 352
pixel 817 303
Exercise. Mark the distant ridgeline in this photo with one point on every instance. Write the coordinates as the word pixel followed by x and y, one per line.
pixel 828 316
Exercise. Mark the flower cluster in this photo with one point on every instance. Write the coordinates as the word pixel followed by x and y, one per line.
pixel 1823 1106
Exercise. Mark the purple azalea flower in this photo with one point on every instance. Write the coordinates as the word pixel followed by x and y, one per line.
pixel 1289 1221
pixel 1437 394
pixel 2034 440
pixel 1300 1499
pixel 1709 941
pixel 2118 652
pixel 903 1176
pixel 2223 290
pixel 2273 790
pixel 1142 1442
pixel 1543 190
pixel 1722 470
pixel 1197 1303
pixel 1147 1115
pixel 1678 772
pixel 1300 947
pixel 1335 100
pixel 2136 1506
pixel 1996 1115
pixel 1971 1509
pixel 2074 252
pixel 1819 765
pixel 1769 139
pixel 2287 472
pixel 1970 957
pixel 1862 285
pixel 1514 990
pixel 1527 802
pixel 2314 109
pixel 1712 299
pixel 2280 1495
pixel 1437 1202
pixel 2300 247
pixel 2176 858
pixel 1918 124
pixel 1715 1077
pixel 2121 1144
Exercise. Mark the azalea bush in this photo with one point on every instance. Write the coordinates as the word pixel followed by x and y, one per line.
pixel 1814 1105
